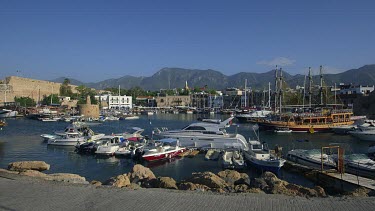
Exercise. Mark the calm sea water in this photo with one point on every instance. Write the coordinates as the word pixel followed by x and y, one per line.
pixel 21 140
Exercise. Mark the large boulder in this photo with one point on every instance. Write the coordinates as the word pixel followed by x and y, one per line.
pixel 229 176
pixel 96 183
pixel 192 186
pixel 140 173
pixel 167 182
pixel 245 179
pixel 28 165
pixel 66 177
pixel 208 179
pixel 119 181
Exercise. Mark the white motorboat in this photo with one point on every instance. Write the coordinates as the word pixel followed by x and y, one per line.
pixel 247 116
pixel 206 135
pixel 312 158
pixel 47 137
pixel 364 135
pixel 226 159
pixel 232 159
pixel 67 139
pixel 282 130
pixel 212 154
pixel 131 117
pixel 110 145
pixel 168 149
pixel 134 134
pixel 259 156
pixel 359 164
pixel 343 129
pixel 6 113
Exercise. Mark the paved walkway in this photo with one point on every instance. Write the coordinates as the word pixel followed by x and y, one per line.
pixel 31 194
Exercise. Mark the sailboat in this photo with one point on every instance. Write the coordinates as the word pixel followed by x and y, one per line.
pixel 316 120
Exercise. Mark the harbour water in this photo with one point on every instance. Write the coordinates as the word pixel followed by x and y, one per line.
pixel 20 140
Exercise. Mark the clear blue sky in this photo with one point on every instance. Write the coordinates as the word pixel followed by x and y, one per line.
pixel 96 40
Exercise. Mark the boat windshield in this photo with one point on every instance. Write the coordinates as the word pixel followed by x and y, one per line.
pixel 314 152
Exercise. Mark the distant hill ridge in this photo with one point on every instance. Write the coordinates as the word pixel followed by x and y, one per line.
pixel 176 77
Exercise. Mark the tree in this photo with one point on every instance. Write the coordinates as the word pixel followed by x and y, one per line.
pixel 82 94
pixel 47 99
pixel 65 89
pixel 25 101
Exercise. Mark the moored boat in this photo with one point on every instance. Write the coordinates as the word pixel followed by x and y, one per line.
pixel 259 156
pixel 205 135
pixel 110 145
pixel 366 135
pixel 313 158
pixel 67 139
pixel 168 149
pixel 359 164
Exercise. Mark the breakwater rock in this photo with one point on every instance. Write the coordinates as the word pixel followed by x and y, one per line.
pixel 34 168
pixel 228 181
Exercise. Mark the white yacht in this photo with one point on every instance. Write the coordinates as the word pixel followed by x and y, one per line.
pixel 364 135
pixel 312 158
pixel 67 139
pixel 261 157
pixel 6 113
pixel 205 135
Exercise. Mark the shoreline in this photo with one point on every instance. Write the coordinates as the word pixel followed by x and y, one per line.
pixel 24 193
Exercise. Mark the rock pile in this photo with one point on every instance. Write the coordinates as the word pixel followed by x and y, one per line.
pixel 228 181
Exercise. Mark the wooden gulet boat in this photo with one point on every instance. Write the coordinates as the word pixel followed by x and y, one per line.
pixel 311 122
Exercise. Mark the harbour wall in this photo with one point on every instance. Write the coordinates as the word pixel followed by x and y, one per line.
pixel 14 86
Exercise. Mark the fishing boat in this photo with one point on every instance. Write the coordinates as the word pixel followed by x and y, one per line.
pixel 168 149
pixel 313 158
pixel 260 156
pixel 205 135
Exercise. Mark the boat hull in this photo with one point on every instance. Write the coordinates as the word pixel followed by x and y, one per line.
pixel 162 156
pixel 68 142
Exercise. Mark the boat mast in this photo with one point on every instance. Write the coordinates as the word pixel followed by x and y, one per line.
pixel 280 89
pixel 321 85
pixel 269 94
pixel 245 92
pixel 276 92
pixel 310 83
pixel 335 95
pixel 304 93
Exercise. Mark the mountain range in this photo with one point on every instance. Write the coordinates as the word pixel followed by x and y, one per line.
pixel 176 77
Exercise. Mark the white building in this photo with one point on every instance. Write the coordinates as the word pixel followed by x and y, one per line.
pixel 360 90
pixel 116 102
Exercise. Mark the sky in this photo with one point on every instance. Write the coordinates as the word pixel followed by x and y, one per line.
pixel 91 40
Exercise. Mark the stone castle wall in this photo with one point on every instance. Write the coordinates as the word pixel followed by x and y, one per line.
pixel 26 87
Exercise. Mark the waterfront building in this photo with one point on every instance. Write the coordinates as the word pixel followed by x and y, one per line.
pixel 173 100
pixel 145 101
pixel 109 101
